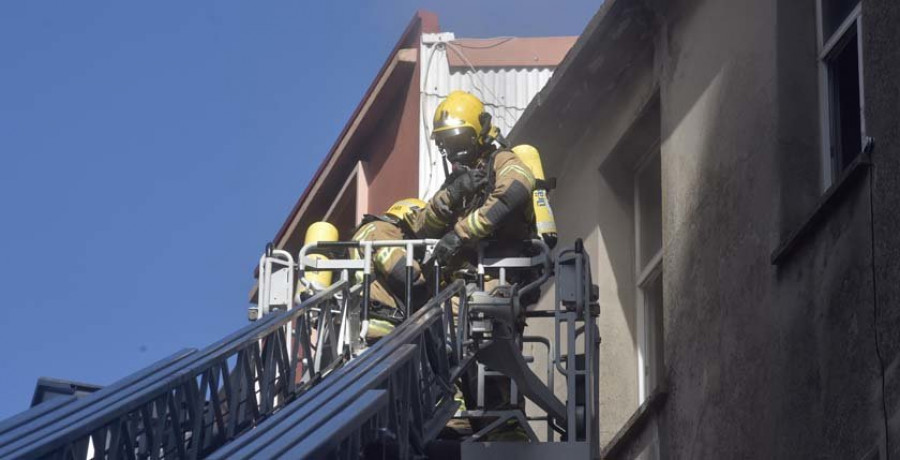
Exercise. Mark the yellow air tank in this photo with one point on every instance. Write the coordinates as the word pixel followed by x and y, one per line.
pixel 543 214
pixel 319 232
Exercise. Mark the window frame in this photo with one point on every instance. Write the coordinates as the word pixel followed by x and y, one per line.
pixel 828 48
pixel 644 277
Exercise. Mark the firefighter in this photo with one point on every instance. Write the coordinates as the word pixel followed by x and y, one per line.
pixel 388 289
pixel 501 209
pixel 496 203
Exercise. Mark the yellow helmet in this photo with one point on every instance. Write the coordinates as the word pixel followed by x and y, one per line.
pixel 460 124
pixel 404 210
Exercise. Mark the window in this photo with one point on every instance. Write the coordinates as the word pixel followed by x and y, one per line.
pixel 648 261
pixel 841 91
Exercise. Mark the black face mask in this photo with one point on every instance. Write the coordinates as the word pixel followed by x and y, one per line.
pixel 463 157
pixel 458 145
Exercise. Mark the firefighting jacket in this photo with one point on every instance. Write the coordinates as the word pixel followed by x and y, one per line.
pixel 503 211
pixel 388 263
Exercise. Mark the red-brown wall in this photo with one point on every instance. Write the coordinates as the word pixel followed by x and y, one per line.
pixel 393 168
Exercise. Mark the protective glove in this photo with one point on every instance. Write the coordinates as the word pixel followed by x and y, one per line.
pixel 466 184
pixel 448 245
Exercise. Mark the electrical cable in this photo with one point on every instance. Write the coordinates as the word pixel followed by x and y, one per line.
pixel 884 409
pixel 431 163
pixel 486 103
pixel 494 45
pixel 484 86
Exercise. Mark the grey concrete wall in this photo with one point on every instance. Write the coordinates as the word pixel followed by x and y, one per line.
pixel 881 57
pixel 798 360
pixel 719 203
pixel 590 204
pixel 763 362
pixel 825 375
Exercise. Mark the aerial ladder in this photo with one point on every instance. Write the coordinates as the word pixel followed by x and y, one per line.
pixel 300 382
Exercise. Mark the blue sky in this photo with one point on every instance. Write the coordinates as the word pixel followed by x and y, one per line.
pixel 150 150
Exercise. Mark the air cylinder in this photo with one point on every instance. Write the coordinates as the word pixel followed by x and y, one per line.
pixel 545 225
pixel 319 232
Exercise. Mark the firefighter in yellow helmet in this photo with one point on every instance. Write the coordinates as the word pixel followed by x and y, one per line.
pixel 488 195
pixel 500 207
pixel 388 289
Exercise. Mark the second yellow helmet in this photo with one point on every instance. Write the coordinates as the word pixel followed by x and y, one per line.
pixel 405 209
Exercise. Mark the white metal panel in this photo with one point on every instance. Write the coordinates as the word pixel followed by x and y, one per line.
pixel 506 92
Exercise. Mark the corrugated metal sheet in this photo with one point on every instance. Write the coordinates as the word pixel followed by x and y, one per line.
pixel 506 91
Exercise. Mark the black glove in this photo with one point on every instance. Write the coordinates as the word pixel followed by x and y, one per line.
pixel 447 247
pixel 466 184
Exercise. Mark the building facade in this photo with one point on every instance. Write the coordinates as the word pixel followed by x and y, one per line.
pixel 732 168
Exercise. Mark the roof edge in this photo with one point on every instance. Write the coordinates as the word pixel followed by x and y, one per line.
pixel 422 21
pixel 592 27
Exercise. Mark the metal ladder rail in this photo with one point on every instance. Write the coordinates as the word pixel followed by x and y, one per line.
pixel 296 430
pixel 427 320
pixel 332 387
pixel 23 437
pixel 174 403
pixel 34 413
pixel 339 438
pixel 43 414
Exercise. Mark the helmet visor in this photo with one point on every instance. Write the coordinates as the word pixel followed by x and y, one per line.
pixel 457 143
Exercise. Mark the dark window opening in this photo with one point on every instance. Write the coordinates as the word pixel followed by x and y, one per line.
pixel 846 126
pixel 650 196
pixel 654 365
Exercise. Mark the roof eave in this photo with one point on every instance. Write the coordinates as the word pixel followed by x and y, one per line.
pixel 612 26
pixel 422 22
